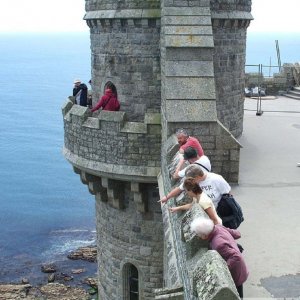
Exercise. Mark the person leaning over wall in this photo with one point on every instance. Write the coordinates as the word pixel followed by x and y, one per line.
pixel 185 141
pixel 191 155
pixel 222 240
pixel 213 185
pixel 194 191
pixel 109 101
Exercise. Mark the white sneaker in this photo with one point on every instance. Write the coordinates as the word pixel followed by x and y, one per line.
pixel 298 164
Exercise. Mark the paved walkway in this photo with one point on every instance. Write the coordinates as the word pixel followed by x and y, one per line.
pixel 269 193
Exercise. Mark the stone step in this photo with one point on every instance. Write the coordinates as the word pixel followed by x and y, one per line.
pixel 297 88
pixel 294 92
pixel 291 96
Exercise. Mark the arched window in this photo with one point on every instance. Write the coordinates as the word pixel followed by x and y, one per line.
pixel 130 282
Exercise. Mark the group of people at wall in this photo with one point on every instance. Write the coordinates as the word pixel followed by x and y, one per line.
pixel 206 189
pixel 109 101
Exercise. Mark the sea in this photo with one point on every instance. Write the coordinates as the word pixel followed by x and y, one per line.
pixel 45 211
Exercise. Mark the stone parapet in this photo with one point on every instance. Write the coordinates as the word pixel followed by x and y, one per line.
pixel 107 145
pixel 122 14
pixel 203 274
pixel 92 5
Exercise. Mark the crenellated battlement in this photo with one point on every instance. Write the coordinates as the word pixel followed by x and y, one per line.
pixel 108 145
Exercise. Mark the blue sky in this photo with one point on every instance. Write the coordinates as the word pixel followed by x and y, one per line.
pixel 66 16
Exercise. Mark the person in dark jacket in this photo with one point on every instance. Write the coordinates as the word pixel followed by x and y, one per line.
pixel 222 240
pixel 80 92
pixel 109 101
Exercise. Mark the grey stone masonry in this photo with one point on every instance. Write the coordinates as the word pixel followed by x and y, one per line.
pixel 189 98
pixel 92 5
pixel 188 263
pixel 106 145
pixel 128 237
pixel 281 82
pixel 230 20
pixel 212 279
pixel 125 50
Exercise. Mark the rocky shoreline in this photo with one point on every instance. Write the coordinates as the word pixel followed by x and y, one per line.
pixel 60 285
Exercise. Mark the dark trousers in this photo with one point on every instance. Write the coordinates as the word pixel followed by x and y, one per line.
pixel 240 291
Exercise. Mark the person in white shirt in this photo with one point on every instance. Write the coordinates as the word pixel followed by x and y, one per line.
pixel 190 154
pixel 213 185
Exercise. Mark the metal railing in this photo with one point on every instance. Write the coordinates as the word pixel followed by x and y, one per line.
pixel 261 74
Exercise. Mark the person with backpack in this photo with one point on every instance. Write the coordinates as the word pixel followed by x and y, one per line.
pixel 213 185
pixel 109 101
pixel 218 190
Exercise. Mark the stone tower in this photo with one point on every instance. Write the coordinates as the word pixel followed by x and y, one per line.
pixel 175 64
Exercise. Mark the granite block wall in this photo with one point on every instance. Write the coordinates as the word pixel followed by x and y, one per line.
pixel 108 144
pixel 125 50
pixel 230 20
pixel 129 237
pixel 202 274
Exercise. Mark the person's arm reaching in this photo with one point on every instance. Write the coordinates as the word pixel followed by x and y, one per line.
pixel 182 207
pixel 175 192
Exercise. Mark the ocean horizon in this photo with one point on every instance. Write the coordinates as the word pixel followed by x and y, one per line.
pixel 45 209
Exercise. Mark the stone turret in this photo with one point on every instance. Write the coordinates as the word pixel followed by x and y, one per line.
pixel 176 64
pixel 230 20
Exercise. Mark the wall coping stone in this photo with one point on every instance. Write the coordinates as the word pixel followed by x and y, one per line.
pixel 123 14
pixel 212 279
pixel 112 171
pixel 232 15
pixel 186 11
pixel 71 111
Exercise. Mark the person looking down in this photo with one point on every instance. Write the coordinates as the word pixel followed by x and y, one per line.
pixel 222 240
pixel 194 191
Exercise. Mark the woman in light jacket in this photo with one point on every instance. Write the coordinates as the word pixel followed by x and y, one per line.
pixel 194 191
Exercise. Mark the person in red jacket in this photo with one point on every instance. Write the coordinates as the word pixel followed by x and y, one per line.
pixel 109 101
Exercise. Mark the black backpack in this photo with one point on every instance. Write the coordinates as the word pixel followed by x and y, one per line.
pixel 230 212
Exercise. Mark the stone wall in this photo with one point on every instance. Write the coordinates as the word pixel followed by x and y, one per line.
pixel 129 237
pixel 107 144
pixel 176 64
pixel 230 20
pixel 189 98
pixel 189 268
pixel 125 50
pixel 91 5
